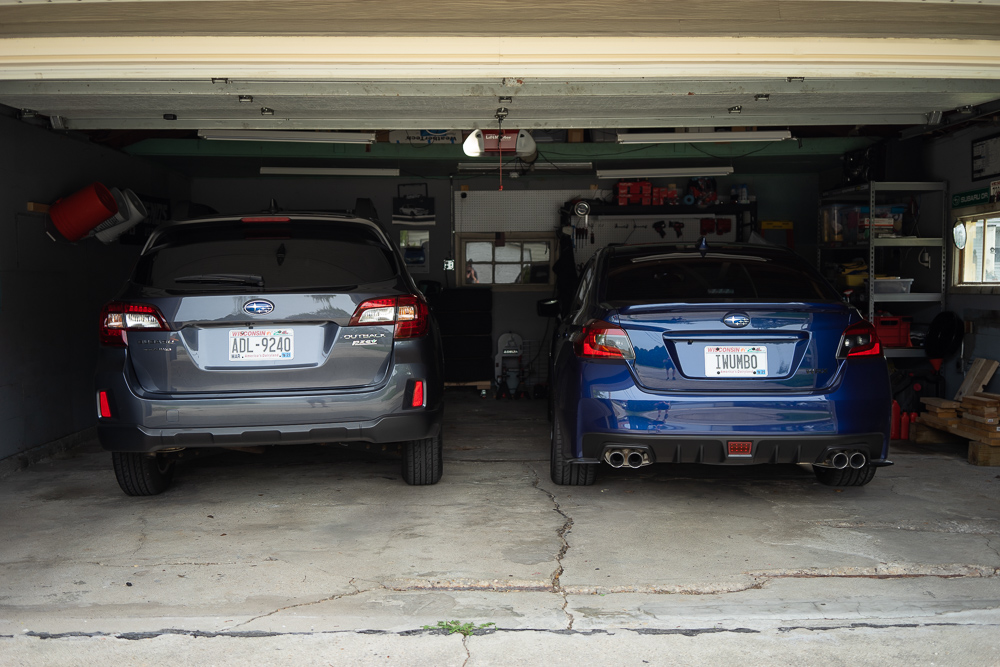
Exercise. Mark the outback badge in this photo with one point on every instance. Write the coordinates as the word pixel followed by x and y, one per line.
pixel 259 307
pixel 736 320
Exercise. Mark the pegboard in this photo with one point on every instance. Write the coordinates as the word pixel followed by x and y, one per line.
pixel 636 229
pixel 515 210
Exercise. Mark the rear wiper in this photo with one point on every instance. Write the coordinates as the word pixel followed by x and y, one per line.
pixel 247 279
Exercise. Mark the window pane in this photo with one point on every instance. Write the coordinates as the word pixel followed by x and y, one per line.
pixel 536 251
pixel 479 251
pixel 481 273
pixel 511 252
pixel 990 273
pixel 507 274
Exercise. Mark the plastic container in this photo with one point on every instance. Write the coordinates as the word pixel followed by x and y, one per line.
pixel 893 285
pixel 77 214
pixel 893 331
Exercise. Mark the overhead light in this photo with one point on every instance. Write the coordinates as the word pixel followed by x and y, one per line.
pixel 701 137
pixel 672 171
pixel 475 144
pixel 327 171
pixel 533 166
pixel 289 136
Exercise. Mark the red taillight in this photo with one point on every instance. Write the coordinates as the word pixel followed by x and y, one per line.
pixel 859 340
pixel 601 340
pixel 266 218
pixel 119 317
pixel 739 448
pixel 418 394
pixel 105 405
pixel 409 314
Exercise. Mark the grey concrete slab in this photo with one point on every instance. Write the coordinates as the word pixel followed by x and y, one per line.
pixel 309 551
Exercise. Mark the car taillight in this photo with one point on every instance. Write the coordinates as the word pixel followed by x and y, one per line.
pixel 601 340
pixel 267 218
pixel 409 314
pixel 119 317
pixel 418 394
pixel 859 340
pixel 104 405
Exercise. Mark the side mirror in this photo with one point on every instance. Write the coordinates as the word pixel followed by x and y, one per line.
pixel 547 308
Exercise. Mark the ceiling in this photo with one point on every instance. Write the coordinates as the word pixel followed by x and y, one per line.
pixel 156 68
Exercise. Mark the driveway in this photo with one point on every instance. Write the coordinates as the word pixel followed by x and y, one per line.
pixel 313 555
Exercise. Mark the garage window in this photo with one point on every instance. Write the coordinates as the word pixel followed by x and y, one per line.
pixel 978 263
pixel 491 259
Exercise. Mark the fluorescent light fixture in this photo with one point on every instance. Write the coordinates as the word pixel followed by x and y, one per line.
pixel 701 137
pixel 673 171
pixel 289 136
pixel 327 171
pixel 526 166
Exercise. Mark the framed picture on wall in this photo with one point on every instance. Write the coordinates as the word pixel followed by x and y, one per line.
pixel 986 157
pixel 412 206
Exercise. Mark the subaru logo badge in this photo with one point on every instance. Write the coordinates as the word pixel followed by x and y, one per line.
pixel 736 320
pixel 261 307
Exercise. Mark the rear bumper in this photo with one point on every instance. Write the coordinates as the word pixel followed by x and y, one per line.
pixel 120 437
pixel 714 450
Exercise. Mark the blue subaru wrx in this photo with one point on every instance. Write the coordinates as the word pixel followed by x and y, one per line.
pixel 731 354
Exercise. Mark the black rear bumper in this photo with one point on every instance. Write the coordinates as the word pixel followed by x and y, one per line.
pixel 117 437
pixel 797 448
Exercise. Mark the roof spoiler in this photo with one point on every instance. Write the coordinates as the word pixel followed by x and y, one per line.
pixel 364 208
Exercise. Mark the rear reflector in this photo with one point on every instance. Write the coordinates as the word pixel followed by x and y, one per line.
pixel 119 317
pixel 105 405
pixel 602 340
pixel 739 447
pixel 418 394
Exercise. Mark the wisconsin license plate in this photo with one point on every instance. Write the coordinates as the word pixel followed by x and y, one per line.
pixel 261 344
pixel 735 361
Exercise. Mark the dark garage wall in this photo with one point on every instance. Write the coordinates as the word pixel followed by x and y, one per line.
pixel 51 293
pixel 950 158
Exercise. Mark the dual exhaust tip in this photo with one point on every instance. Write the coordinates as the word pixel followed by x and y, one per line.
pixel 841 460
pixel 633 458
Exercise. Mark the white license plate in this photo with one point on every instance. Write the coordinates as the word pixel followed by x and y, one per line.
pixel 735 361
pixel 261 344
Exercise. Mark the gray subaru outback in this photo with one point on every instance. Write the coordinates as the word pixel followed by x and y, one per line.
pixel 252 330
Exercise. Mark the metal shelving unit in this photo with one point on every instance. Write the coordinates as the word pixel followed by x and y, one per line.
pixel 870 193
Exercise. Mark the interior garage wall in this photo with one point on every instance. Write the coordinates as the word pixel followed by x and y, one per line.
pixel 950 158
pixel 51 293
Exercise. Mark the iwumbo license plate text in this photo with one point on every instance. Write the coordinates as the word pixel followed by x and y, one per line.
pixel 736 361
pixel 261 344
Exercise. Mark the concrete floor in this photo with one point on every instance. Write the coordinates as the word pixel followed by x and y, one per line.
pixel 305 556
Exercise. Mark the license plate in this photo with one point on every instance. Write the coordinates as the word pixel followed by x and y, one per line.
pixel 261 344
pixel 735 361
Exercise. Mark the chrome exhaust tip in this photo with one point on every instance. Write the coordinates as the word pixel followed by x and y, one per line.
pixel 858 460
pixel 635 459
pixel 615 458
pixel 839 460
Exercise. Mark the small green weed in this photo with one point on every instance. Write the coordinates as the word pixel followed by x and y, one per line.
pixel 457 626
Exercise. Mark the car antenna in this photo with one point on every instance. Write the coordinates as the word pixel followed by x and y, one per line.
pixel 273 208
pixel 702 246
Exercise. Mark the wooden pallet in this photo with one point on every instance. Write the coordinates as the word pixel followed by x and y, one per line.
pixel 981 454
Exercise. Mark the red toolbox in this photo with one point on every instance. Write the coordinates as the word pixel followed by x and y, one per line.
pixel 893 331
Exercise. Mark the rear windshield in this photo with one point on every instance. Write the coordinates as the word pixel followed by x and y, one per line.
pixel 292 256
pixel 687 278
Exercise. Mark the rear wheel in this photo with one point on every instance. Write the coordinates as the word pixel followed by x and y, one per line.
pixel 562 471
pixel 142 474
pixel 846 476
pixel 423 461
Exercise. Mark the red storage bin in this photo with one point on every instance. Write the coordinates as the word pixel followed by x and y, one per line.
pixel 893 331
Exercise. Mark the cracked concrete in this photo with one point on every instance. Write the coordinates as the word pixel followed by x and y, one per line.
pixel 314 556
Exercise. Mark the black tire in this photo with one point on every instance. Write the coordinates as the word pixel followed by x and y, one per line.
pixel 423 461
pixel 563 472
pixel 846 476
pixel 142 474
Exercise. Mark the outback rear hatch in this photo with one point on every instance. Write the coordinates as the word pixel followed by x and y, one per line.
pixel 263 304
pixel 727 322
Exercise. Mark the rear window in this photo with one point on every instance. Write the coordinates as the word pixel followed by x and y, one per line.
pixel 292 256
pixel 717 277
